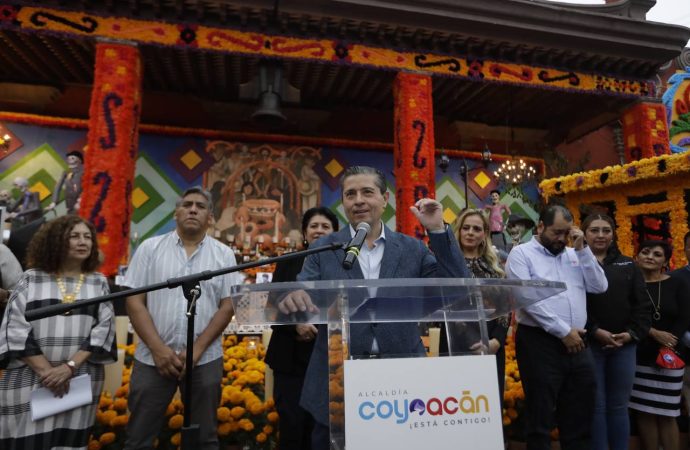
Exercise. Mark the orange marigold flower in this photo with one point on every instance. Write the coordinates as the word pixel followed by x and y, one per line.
pixel 272 416
pixel 107 438
pixel 237 412
pixel 506 421
pixel 175 439
pixel 224 429
pixel 122 391
pixel 94 445
pixel 267 429
pixel 256 408
pixel 120 404
pixel 270 403
pixel 104 401
pixel 175 422
pixel 236 397
pixel 170 410
pixel 223 414
pixel 246 424
pixel 261 438
pixel 119 421
pixel 107 416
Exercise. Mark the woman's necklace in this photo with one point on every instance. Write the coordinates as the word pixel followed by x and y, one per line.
pixel 69 297
pixel 657 305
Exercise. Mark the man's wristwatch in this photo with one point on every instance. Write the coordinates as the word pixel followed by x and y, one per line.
pixel 72 366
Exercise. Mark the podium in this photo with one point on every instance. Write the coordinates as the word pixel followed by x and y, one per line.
pixel 383 392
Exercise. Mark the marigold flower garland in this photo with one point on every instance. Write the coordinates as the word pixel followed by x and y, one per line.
pixel 413 153
pixel 195 36
pixel 110 160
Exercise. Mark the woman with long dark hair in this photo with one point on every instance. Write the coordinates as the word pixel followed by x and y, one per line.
pixel 62 259
pixel 616 321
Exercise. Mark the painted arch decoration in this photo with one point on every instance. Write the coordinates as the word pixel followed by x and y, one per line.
pixel 184 35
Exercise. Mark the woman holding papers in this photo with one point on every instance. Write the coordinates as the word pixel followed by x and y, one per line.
pixel 48 353
pixel 473 232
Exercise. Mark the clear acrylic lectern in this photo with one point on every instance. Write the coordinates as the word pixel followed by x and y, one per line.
pixel 464 305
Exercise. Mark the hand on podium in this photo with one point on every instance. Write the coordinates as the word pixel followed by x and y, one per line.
pixel 297 301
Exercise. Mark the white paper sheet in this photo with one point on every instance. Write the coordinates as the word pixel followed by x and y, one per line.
pixel 44 403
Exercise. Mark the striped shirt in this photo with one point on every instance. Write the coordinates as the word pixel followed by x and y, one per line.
pixel 163 257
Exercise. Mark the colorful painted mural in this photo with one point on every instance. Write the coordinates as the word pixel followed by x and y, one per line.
pixel 676 99
pixel 260 189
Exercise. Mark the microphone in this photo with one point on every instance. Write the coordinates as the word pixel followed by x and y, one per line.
pixel 352 249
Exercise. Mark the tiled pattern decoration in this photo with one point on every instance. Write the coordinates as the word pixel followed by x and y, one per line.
pixel 168 165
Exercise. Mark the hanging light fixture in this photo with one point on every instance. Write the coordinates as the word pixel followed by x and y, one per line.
pixel 514 170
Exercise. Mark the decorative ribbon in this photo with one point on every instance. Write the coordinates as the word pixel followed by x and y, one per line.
pixel 111 157
pixel 413 149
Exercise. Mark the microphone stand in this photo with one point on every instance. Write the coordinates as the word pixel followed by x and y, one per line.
pixel 191 290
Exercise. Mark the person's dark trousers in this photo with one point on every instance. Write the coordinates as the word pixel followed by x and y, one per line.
pixel 320 437
pixel 149 396
pixel 559 390
pixel 295 424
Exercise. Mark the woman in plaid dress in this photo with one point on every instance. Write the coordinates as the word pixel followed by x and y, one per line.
pixel 49 352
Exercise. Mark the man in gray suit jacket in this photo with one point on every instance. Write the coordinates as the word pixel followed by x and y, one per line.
pixel 385 254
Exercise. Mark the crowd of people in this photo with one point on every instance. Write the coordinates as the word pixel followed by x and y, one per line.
pixel 609 347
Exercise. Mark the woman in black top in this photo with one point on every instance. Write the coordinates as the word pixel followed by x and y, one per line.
pixel 290 347
pixel 656 390
pixel 616 321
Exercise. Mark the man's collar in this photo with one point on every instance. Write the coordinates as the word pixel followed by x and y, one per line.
pixel 178 239
pixel 381 236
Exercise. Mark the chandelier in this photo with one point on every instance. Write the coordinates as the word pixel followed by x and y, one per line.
pixel 514 171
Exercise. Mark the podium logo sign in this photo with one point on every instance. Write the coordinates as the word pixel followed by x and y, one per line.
pixel 423 403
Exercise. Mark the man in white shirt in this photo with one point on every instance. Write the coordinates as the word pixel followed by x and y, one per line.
pixel 159 318
pixel 556 367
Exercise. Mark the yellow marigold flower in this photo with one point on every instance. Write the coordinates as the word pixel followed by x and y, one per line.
pixel 120 404
pixel 170 410
pixel 254 377
pixel 107 438
pixel 272 416
pixel 177 404
pixel 260 438
pixel 175 439
pixel 227 367
pixel 246 424
pixel 224 429
pixel 175 422
pixel 223 414
pixel 94 445
pixel 267 429
pixel 237 412
pixel 236 397
pixel 256 408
